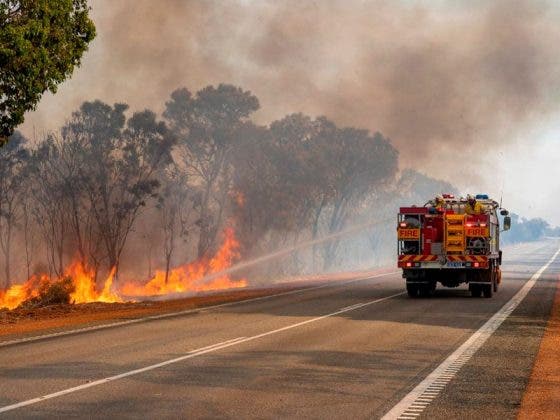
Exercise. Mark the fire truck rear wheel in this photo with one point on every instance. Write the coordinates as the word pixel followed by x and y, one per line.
pixel 427 290
pixel 412 290
pixel 487 289
pixel 476 290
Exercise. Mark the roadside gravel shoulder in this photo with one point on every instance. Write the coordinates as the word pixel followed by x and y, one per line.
pixel 22 323
pixel 542 395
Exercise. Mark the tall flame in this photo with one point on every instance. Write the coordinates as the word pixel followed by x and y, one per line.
pixel 191 277
pixel 185 278
pixel 84 285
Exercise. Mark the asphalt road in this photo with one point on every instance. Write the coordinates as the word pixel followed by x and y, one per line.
pixel 344 350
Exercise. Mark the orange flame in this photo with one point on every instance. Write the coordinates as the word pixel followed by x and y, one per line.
pixel 191 277
pixel 82 281
pixel 186 278
pixel 18 293
pixel 84 285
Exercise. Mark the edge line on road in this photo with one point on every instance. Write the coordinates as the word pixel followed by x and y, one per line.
pixel 181 313
pixel 191 354
pixel 447 370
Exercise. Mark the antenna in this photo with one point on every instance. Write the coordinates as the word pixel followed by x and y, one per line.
pixel 502 192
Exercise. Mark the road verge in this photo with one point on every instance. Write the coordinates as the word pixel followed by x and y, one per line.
pixel 542 396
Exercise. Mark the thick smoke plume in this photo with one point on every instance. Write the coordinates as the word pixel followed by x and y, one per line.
pixel 426 74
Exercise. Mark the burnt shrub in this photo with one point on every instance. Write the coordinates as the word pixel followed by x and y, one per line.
pixel 56 293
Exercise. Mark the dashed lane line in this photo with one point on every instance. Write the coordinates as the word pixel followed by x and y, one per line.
pixel 189 355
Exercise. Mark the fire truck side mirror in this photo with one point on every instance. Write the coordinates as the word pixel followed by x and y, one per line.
pixel 504 212
pixel 507 223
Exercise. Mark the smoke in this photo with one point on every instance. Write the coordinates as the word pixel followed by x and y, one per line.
pixel 437 78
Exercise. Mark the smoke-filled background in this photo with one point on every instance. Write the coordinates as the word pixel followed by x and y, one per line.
pixel 285 132
pixel 467 91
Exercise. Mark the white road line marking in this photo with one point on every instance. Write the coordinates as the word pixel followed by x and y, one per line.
pixel 356 306
pixel 460 356
pixel 189 355
pixel 216 345
pixel 185 312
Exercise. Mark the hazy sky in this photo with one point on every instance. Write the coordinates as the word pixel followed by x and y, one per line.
pixel 467 91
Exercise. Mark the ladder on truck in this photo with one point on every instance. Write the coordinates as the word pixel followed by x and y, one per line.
pixel 454 233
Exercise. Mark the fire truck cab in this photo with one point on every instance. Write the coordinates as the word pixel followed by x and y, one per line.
pixel 446 245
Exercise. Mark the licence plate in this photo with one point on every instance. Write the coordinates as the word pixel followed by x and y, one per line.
pixel 454 264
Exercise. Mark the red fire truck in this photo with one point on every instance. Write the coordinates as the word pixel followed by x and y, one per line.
pixel 444 244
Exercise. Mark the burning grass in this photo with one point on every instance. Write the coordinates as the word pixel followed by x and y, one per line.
pixel 78 283
pixel 193 277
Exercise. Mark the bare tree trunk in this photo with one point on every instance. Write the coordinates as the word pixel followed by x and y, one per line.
pixel 60 251
pixel 4 241
pixel 203 239
pixel 7 255
pixel 169 245
pixel 336 223
pixel 78 232
pixel 315 229
pixel 150 261
pixel 26 240
pixel 167 267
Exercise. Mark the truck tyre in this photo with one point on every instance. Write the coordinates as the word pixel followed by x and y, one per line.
pixel 495 279
pixel 427 290
pixel 476 290
pixel 487 289
pixel 412 290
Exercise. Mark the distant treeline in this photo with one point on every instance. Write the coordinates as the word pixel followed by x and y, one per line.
pixel 138 191
pixel 526 230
